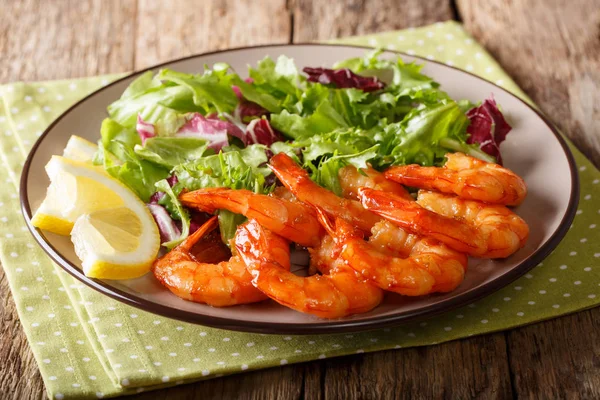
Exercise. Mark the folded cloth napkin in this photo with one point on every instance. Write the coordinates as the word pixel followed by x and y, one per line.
pixel 88 345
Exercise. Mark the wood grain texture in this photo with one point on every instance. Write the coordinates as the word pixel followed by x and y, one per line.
pixel 50 40
pixel 42 40
pixel 559 358
pixel 552 50
pixel 451 370
pixel 178 28
pixel 322 20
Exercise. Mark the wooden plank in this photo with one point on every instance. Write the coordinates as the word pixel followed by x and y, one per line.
pixel 50 40
pixel 558 358
pixel 450 370
pixel 65 39
pixel 322 20
pixel 552 50
pixel 174 29
pixel 275 383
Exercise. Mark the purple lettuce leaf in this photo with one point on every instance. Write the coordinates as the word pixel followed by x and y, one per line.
pixel 343 78
pixel 144 129
pixel 247 110
pixel 156 197
pixel 167 227
pixel 488 128
pixel 212 129
pixel 260 131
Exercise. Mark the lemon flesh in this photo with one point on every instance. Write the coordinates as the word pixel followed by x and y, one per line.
pixel 79 149
pixel 112 244
pixel 114 234
pixel 76 188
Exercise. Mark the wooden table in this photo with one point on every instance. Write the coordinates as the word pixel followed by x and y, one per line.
pixel 551 48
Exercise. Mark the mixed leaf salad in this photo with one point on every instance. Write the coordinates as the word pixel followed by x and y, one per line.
pixel 172 131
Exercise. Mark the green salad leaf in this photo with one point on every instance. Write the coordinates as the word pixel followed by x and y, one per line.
pixel 233 168
pixel 211 91
pixel 173 205
pixel 281 79
pixel 407 119
pixel 326 173
pixel 170 152
pixel 417 138
pixel 119 159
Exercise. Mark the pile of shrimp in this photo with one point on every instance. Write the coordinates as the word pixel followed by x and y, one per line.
pixel 375 238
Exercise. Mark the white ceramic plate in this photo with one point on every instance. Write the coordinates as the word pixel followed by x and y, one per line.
pixel 534 150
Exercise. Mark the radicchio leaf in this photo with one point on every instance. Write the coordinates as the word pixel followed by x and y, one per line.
pixel 212 129
pixel 343 78
pixel 172 180
pixel 238 92
pixel 197 219
pixel 144 129
pixel 156 197
pixel 247 110
pixel 168 229
pixel 260 131
pixel 488 128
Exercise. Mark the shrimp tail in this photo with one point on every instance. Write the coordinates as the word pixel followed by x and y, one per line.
pixel 192 239
pixel 413 217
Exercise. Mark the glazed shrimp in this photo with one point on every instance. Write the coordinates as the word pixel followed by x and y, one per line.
pixel 224 284
pixel 299 183
pixel 476 228
pixel 429 266
pixel 467 177
pixel 387 237
pixel 338 293
pixel 292 220
pixel 351 179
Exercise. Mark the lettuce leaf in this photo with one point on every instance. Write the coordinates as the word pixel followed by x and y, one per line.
pixel 177 211
pixel 213 130
pixel 370 110
pixel 233 168
pixel 119 159
pixel 152 105
pixel 488 128
pixel 396 73
pixel 343 78
pixel 211 91
pixel 324 119
pixel 252 93
pixel 416 139
pixel 170 152
pixel 326 174
pixel 281 79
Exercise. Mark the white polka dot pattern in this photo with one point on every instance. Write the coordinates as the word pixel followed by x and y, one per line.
pixel 88 345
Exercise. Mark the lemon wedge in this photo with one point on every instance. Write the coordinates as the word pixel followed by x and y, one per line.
pixel 115 243
pixel 114 234
pixel 76 188
pixel 79 149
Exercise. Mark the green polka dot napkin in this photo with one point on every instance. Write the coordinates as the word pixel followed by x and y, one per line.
pixel 89 346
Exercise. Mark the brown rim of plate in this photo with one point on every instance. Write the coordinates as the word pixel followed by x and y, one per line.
pixel 326 326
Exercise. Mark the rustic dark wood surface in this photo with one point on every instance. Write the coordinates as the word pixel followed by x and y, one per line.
pixel 551 48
